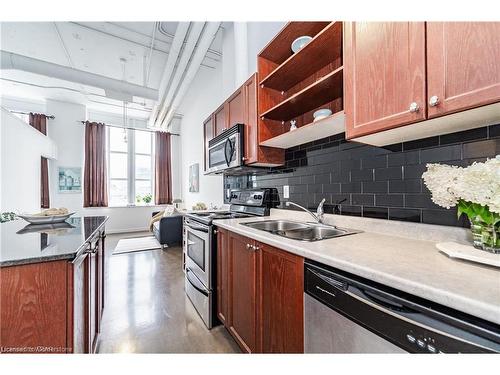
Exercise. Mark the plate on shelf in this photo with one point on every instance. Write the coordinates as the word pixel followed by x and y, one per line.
pixel 300 42
pixel 321 114
pixel 39 219
pixel 468 252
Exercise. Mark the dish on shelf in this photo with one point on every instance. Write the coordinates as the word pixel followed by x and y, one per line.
pixel 39 219
pixel 321 114
pixel 300 42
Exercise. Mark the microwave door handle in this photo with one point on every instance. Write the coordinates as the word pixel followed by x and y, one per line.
pixel 228 143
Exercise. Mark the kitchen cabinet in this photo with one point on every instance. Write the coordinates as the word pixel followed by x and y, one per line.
pixel 54 305
pixel 384 75
pixel 236 108
pixel 463 65
pixel 242 108
pixel 260 294
pixel 243 289
pixel 220 120
pixel 222 276
pixel 282 300
pixel 401 78
pixel 250 121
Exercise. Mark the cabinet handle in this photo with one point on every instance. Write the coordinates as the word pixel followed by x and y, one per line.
pixel 248 246
pixel 414 107
pixel 434 101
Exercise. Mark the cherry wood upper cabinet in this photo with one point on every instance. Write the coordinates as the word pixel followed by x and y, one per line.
pixel 282 301
pixel 223 260
pixel 251 123
pixel 236 108
pixel 384 75
pixel 463 65
pixel 243 289
pixel 220 120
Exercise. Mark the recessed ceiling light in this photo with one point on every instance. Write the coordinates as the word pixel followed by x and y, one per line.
pixel 77 36
pixel 131 53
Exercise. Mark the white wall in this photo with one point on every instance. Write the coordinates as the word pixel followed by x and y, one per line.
pixel 20 152
pixel 208 90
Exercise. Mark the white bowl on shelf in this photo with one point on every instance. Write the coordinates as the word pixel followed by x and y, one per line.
pixel 321 114
pixel 300 42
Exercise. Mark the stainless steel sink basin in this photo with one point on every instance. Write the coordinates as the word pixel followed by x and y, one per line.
pixel 300 231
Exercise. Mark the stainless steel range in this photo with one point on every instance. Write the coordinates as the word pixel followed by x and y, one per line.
pixel 200 246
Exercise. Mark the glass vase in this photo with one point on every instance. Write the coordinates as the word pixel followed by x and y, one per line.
pixel 490 238
pixel 476 227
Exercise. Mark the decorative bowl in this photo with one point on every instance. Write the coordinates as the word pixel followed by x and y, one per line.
pixel 39 219
pixel 321 114
pixel 300 42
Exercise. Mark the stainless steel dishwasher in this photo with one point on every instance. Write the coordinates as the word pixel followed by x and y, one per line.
pixel 348 314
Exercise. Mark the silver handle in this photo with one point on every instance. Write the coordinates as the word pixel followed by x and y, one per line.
pixel 434 101
pixel 216 231
pixel 248 246
pixel 191 243
pixel 414 107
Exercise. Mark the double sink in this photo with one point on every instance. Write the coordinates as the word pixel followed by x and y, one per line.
pixel 300 231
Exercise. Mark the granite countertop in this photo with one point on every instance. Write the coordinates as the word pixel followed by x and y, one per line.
pixel 410 264
pixel 23 243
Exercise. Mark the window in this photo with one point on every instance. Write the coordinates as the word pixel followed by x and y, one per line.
pixel 130 166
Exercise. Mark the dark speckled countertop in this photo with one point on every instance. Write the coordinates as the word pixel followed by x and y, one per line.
pixel 23 243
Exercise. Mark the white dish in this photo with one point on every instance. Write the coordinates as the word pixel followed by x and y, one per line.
pixel 321 114
pixel 37 219
pixel 300 42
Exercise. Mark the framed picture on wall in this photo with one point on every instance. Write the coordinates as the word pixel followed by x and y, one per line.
pixel 194 178
pixel 70 179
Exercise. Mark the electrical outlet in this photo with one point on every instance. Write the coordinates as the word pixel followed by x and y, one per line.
pixel 286 192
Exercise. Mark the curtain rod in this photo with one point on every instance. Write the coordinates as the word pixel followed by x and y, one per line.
pixel 129 128
pixel 27 113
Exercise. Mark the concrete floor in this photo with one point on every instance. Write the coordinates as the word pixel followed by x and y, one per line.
pixel 146 309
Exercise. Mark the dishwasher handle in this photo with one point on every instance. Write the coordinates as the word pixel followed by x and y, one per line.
pixel 380 300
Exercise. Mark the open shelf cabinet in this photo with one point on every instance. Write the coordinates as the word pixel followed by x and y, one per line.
pixel 326 127
pixel 325 47
pixel 294 85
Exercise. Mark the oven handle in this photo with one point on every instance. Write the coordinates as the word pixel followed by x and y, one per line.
pixel 193 283
pixel 196 227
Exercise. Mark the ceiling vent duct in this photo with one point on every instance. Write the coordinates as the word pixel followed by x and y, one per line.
pixel 115 87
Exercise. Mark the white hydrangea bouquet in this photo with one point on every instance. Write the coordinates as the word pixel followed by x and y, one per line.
pixel 475 190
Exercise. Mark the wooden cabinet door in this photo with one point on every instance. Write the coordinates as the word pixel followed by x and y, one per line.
pixel 251 120
pixel 223 262
pixel 463 65
pixel 243 292
pixel 384 75
pixel 33 307
pixel 282 301
pixel 220 120
pixel 236 108
pixel 208 134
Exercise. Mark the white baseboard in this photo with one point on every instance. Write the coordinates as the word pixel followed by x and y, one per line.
pixel 118 231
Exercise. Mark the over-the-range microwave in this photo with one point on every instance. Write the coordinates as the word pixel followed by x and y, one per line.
pixel 226 150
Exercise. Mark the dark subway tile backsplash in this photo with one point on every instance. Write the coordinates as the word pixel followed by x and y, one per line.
pixel 376 182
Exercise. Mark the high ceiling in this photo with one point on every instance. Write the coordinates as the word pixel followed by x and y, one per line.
pixel 132 51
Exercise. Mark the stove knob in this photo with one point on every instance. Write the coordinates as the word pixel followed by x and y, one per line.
pixel 421 343
pixel 431 349
pixel 411 338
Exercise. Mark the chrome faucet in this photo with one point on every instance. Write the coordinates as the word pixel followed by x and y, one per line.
pixel 319 216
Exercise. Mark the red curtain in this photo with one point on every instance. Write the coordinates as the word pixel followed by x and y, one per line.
pixel 95 182
pixel 39 122
pixel 163 169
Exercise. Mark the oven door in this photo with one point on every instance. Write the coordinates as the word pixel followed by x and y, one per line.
pixel 225 154
pixel 197 249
